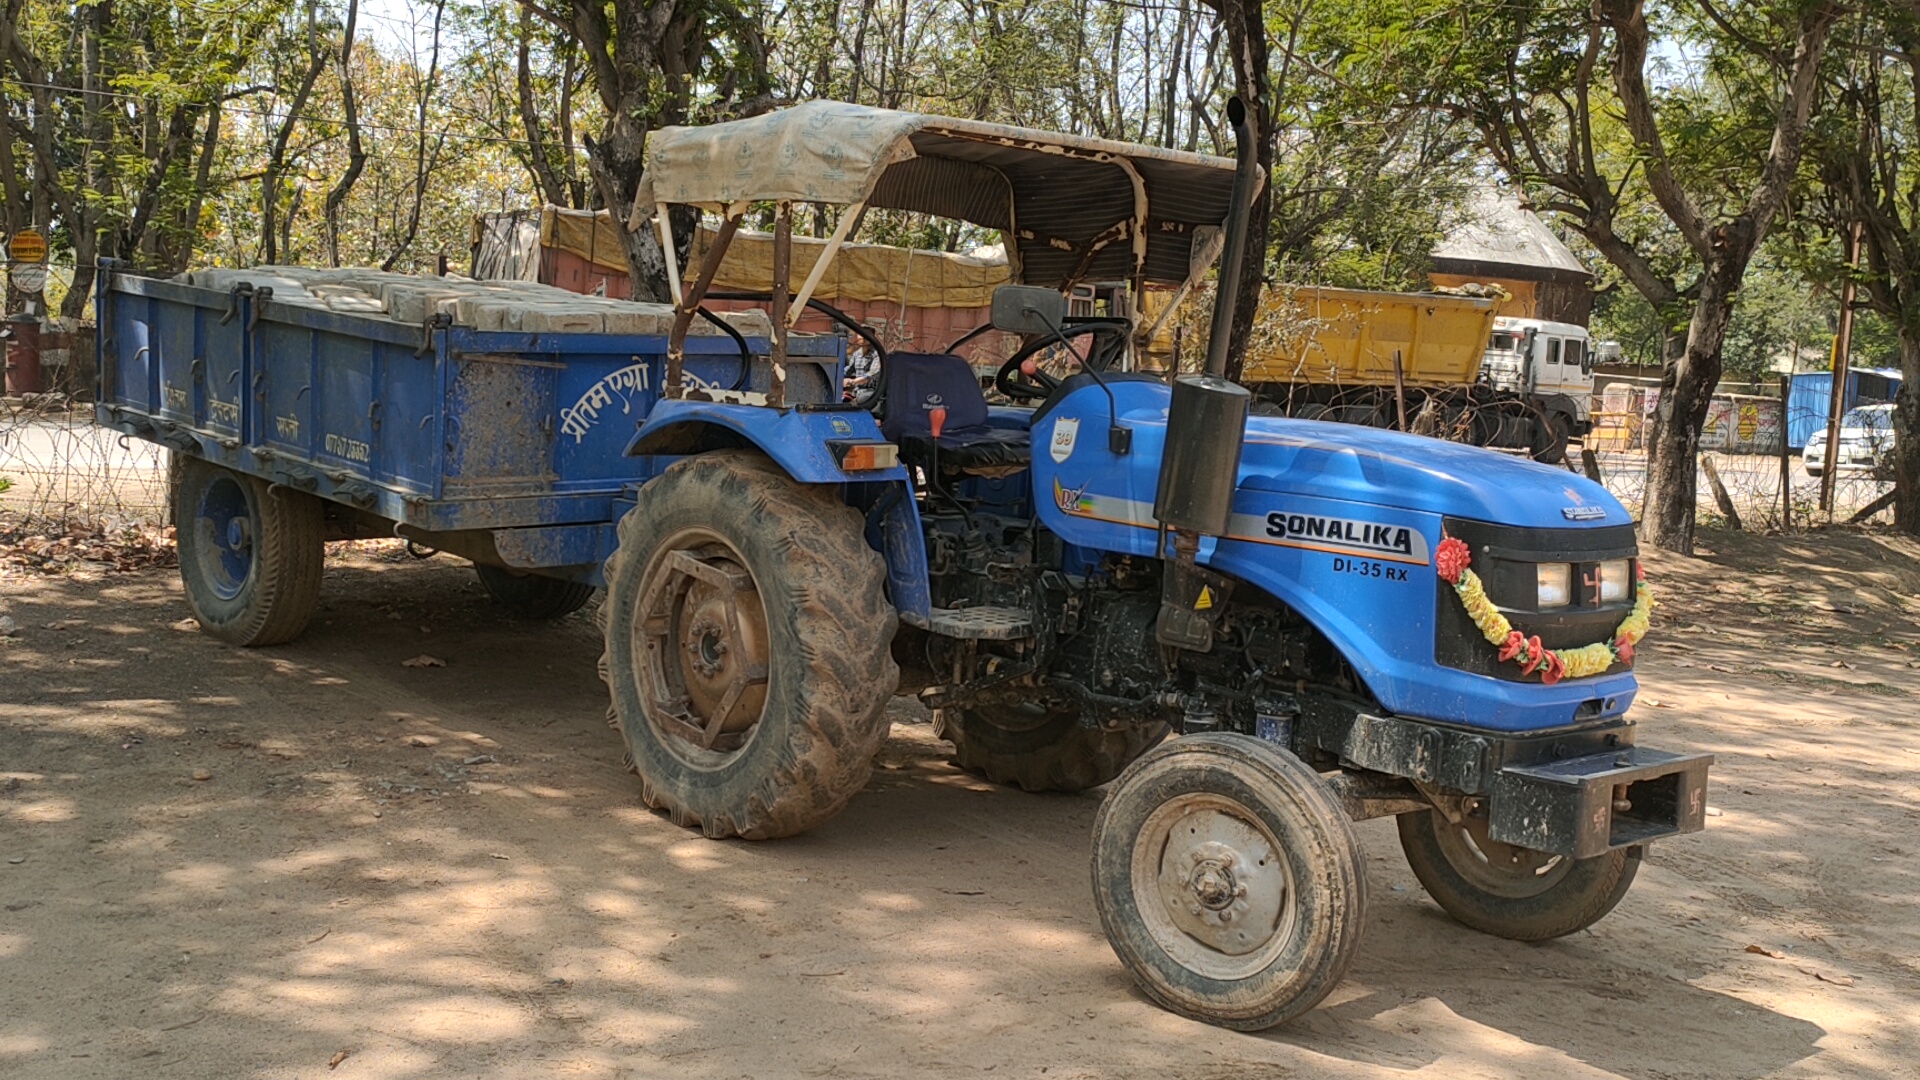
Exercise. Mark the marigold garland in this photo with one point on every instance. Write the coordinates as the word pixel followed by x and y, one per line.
pixel 1454 562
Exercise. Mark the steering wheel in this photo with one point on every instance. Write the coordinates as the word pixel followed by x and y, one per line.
pixel 1017 382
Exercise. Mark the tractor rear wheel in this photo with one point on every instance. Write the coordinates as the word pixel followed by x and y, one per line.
pixel 1510 892
pixel 747 647
pixel 1229 881
pixel 251 553
pixel 531 596
pixel 1038 748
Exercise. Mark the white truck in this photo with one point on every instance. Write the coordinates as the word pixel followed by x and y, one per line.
pixel 1550 366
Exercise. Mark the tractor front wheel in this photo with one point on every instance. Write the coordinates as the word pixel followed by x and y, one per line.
pixel 1508 891
pixel 747 647
pixel 1229 881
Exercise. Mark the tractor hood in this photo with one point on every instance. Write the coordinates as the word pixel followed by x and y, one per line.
pixel 1284 462
pixel 1412 472
pixel 1342 523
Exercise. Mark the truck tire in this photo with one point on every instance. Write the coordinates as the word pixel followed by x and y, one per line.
pixel 250 553
pixel 1229 881
pixel 1036 748
pixel 747 647
pixel 531 596
pixel 1506 891
pixel 1550 434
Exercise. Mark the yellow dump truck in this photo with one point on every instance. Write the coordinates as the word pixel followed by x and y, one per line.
pixel 1463 373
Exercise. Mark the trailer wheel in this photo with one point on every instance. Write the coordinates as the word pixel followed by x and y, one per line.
pixel 1506 891
pixel 1229 880
pixel 1037 748
pixel 250 553
pixel 531 596
pixel 747 656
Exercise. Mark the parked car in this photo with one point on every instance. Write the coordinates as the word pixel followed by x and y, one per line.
pixel 1866 444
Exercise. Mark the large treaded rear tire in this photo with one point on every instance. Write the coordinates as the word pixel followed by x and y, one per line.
pixel 531 596
pixel 1038 749
pixel 251 553
pixel 829 672
pixel 1537 901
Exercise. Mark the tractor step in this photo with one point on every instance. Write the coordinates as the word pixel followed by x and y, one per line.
pixel 981 623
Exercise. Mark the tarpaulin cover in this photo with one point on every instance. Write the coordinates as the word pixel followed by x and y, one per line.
pixel 1073 208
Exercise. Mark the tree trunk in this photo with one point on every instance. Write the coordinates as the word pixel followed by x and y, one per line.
pixel 1686 392
pixel 356 150
pixel 1906 427
pixel 617 159
pixel 538 163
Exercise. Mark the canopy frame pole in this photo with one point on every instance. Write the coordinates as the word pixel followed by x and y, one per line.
pixel 782 297
pixel 665 221
pixel 840 232
pixel 1139 236
pixel 1173 307
pixel 690 302
pixel 1137 346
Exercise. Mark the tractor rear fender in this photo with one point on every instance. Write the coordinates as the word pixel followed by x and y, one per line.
pixel 799 441
pixel 803 443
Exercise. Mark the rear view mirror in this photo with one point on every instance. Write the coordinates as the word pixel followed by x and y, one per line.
pixel 1028 309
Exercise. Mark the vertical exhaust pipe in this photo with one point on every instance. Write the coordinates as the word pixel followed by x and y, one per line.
pixel 1200 464
pixel 1233 254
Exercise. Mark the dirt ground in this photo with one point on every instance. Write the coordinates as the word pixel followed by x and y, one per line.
pixel 315 861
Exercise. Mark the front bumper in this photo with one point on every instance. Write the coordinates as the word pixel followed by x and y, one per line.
pixel 1579 791
pixel 1588 806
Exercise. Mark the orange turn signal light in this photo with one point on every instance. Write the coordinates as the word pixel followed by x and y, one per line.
pixel 864 456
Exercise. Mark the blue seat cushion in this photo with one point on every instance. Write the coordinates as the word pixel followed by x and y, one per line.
pixel 918 383
pixel 915 384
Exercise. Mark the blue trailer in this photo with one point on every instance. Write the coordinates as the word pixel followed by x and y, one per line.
pixel 1258 630
pixel 504 448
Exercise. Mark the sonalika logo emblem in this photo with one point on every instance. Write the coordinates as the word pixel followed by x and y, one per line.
pixel 1347 534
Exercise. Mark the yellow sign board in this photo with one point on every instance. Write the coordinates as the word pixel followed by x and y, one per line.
pixel 27 246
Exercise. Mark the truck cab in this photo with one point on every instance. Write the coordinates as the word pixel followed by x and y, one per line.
pixel 1550 363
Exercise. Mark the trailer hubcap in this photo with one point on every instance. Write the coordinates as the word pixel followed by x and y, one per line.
pixel 224 521
pixel 701 648
pixel 1213 886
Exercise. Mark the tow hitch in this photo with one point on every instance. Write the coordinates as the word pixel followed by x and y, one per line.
pixel 1587 806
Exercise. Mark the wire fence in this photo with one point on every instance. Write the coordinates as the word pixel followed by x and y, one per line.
pixel 1753 484
pixel 64 470
pixel 76 497
pixel 60 474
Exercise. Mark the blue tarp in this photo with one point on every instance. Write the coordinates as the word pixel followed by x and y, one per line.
pixel 1812 393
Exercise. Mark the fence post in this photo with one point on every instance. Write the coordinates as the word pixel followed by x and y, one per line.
pixel 1786 458
pixel 1720 496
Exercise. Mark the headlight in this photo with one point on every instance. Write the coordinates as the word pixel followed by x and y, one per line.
pixel 1616 580
pixel 1554 586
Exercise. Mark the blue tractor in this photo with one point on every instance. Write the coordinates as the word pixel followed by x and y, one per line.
pixel 1257 630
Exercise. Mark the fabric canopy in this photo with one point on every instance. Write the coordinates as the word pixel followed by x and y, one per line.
pixel 1072 208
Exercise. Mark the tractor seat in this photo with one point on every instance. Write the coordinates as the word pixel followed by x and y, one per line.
pixel 913 385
